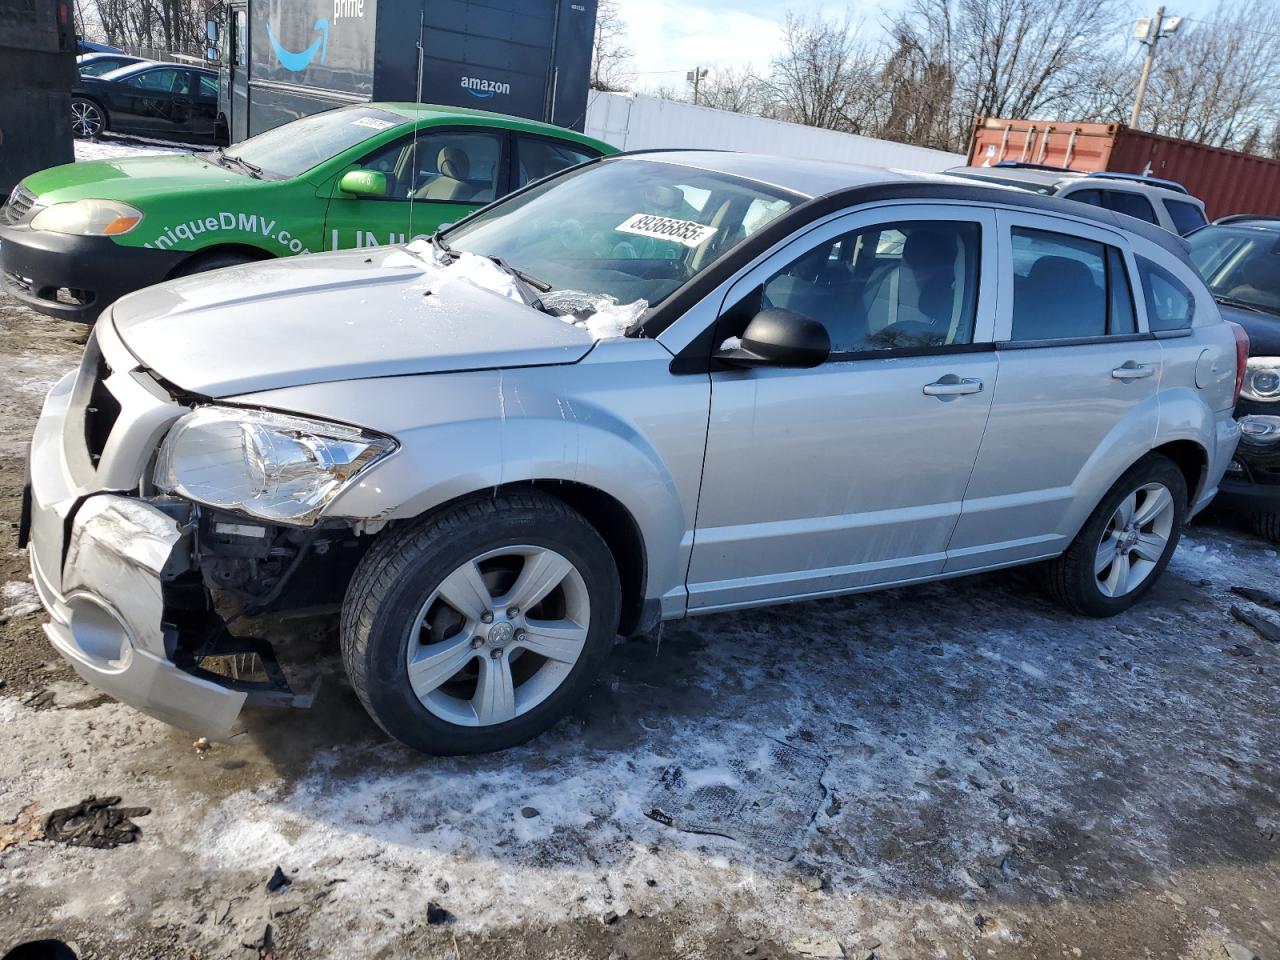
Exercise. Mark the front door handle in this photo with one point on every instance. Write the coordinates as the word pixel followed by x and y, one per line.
pixel 1133 371
pixel 950 385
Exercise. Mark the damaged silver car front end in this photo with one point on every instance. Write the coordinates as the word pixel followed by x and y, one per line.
pixel 127 573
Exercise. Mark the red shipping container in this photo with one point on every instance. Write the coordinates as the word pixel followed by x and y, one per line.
pixel 1226 180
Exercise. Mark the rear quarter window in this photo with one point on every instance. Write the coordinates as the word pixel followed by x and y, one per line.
pixel 1170 303
pixel 1185 216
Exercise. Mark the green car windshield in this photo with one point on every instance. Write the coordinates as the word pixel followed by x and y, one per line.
pixel 625 229
pixel 1240 265
pixel 296 147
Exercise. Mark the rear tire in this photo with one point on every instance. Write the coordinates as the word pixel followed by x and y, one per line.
pixel 1125 544
pixel 451 637
pixel 1267 525
pixel 87 118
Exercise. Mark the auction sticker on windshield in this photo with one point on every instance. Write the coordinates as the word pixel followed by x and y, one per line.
pixel 690 233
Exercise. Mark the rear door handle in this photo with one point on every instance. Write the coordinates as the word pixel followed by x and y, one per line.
pixel 952 386
pixel 1133 371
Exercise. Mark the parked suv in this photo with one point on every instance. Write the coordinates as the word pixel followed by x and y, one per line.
pixel 1165 203
pixel 1239 257
pixel 651 386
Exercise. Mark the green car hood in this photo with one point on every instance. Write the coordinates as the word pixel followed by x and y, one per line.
pixel 132 179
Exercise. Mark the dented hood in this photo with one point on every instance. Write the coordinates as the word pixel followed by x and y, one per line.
pixel 326 317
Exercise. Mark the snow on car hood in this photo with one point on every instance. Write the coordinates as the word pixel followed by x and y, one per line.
pixel 339 316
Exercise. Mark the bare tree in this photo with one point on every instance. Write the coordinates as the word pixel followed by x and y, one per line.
pixel 160 26
pixel 1218 83
pixel 825 76
pixel 610 56
pixel 737 89
pixel 1007 58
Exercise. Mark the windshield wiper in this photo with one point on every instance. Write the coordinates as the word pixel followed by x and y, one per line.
pixel 438 242
pixel 527 278
pixel 252 169
pixel 1245 305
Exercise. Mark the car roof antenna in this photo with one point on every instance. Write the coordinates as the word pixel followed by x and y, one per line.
pixel 417 118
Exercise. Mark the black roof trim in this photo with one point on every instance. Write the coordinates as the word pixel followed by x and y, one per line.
pixel 689 295
pixel 1261 219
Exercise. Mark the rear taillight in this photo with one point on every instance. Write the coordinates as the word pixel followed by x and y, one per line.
pixel 1242 357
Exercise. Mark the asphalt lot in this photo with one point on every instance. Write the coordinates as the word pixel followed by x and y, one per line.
pixel 957 770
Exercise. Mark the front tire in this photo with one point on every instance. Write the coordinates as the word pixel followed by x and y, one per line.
pixel 481 626
pixel 1125 544
pixel 204 262
pixel 87 119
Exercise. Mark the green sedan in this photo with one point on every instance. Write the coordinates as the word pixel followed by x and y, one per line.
pixel 74 238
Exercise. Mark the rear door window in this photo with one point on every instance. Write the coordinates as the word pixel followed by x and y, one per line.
pixel 1186 216
pixel 538 157
pixel 1130 204
pixel 1068 288
pixel 1170 305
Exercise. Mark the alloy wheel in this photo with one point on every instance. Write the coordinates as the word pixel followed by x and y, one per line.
pixel 1134 540
pixel 498 636
pixel 86 119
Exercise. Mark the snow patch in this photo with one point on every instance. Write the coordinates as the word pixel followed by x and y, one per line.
pixel 601 316
pixel 19 598
pixel 117 149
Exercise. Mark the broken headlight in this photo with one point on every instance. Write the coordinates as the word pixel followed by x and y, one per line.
pixel 276 467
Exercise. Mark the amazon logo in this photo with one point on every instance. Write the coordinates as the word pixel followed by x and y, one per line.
pixel 297 61
pixel 484 89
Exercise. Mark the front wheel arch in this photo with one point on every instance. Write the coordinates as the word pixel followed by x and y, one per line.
pixel 221 255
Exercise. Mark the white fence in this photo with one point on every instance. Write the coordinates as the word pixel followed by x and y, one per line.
pixel 632 121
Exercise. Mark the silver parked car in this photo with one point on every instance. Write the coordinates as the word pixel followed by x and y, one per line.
pixel 652 386
pixel 1165 203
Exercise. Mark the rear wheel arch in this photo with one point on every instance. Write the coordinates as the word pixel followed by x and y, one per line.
pixel 1192 459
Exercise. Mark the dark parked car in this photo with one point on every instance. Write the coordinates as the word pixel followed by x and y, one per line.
pixel 96 64
pixel 1239 258
pixel 169 101
pixel 91 46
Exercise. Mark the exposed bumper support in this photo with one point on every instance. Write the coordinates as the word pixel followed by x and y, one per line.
pixel 107 617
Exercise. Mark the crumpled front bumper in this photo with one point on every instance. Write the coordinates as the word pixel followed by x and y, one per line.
pixel 97 561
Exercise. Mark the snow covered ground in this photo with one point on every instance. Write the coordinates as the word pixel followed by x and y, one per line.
pixel 996 779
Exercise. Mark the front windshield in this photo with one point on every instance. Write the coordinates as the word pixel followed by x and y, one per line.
pixel 629 230
pixel 296 147
pixel 1239 265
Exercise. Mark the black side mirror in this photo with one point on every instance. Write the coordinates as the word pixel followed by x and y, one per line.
pixel 779 338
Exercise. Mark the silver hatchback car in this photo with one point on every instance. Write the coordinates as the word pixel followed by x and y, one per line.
pixel 655 385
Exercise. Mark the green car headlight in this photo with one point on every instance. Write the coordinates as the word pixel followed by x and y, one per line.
pixel 88 218
pixel 273 466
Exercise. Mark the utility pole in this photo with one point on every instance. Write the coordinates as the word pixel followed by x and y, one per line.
pixel 695 77
pixel 1150 32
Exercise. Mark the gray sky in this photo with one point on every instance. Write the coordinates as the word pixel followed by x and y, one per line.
pixel 671 36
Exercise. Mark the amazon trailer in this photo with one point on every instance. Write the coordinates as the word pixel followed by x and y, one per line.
pixel 283 59
pixel 37 69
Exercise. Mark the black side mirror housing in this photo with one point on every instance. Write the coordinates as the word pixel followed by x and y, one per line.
pixel 780 338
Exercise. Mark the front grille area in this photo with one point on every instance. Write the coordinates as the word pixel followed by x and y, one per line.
pixel 100 414
pixel 20 203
